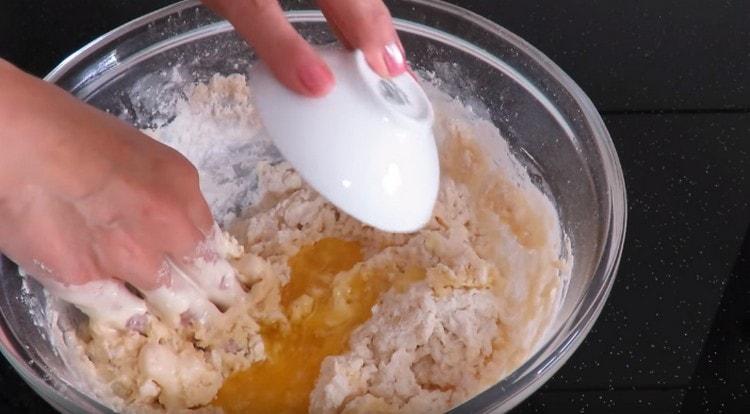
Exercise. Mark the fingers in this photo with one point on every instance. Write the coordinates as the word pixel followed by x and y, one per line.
pixel 74 277
pixel 180 302
pixel 291 59
pixel 134 228
pixel 194 247
pixel 359 24
pixel 178 269
pixel 155 232
pixel 106 302
pixel 367 25
pixel 207 266
pixel 127 258
pixel 179 294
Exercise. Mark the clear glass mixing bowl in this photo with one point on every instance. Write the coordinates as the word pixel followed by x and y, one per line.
pixel 549 122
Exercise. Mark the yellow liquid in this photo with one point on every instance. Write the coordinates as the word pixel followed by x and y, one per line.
pixel 321 324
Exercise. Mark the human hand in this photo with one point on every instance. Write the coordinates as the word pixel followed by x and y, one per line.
pixel 359 24
pixel 88 203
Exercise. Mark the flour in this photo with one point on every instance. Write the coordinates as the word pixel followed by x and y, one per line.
pixel 491 255
pixel 217 129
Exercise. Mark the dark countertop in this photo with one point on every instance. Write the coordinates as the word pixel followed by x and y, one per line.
pixel 672 81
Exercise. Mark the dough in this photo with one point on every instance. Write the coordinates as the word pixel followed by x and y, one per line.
pixel 490 278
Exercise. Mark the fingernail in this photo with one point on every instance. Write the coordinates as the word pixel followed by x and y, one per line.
pixel 317 79
pixel 394 59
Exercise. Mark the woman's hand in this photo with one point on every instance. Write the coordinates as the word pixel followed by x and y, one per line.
pixel 85 198
pixel 359 24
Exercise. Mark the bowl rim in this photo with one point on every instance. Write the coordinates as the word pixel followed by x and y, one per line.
pixel 585 311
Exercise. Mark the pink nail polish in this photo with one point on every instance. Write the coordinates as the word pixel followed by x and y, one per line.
pixel 394 59
pixel 316 79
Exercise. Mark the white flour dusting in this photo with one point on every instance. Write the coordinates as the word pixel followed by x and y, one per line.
pixel 218 130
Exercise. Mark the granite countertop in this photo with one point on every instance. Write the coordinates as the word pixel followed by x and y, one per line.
pixel 672 81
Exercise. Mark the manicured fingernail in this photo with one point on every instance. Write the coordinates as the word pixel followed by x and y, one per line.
pixel 394 59
pixel 317 79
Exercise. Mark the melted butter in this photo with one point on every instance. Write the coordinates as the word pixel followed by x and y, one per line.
pixel 323 306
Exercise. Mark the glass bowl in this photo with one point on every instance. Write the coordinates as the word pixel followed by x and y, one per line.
pixel 550 124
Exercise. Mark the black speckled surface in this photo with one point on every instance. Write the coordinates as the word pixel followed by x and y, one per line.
pixel 672 79
pixel 640 55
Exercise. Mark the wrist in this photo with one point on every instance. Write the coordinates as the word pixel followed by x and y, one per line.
pixel 9 145
pixel 22 116
pixel 49 139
